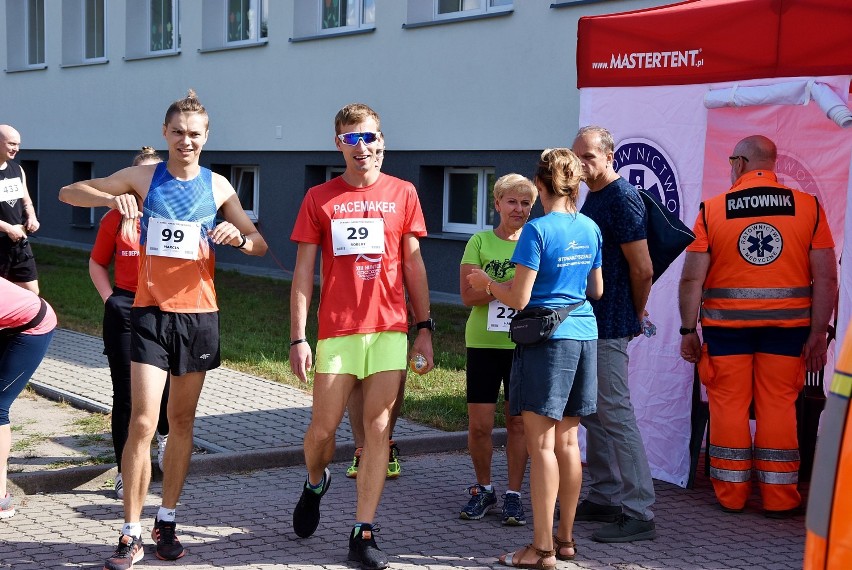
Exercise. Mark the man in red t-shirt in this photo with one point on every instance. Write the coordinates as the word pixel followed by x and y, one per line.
pixel 366 225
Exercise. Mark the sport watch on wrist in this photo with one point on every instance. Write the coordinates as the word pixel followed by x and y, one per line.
pixel 427 324
pixel 685 331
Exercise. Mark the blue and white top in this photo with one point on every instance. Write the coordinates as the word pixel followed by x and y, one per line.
pixel 184 200
pixel 563 248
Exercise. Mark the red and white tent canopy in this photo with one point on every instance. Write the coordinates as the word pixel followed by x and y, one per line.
pixel 678 86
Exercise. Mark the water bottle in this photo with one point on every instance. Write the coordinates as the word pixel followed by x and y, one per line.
pixel 649 329
pixel 418 363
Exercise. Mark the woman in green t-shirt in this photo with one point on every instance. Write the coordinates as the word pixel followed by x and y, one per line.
pixel 489 351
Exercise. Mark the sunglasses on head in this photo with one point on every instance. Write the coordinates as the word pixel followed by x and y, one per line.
pixel 352 139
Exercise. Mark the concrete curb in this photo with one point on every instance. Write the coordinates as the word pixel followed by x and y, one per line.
pixel 62 480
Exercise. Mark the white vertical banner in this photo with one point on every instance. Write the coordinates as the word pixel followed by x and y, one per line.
pixel 659 135
pixel 671 145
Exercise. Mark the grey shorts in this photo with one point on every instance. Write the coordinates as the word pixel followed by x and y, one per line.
pixel 178 342
pixel 556 379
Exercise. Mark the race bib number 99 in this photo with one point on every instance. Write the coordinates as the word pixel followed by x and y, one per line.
pixel 353 236
pixel 11 189
pixel 499 316
pixel 172 238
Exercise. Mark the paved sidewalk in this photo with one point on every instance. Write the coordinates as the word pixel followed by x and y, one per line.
pixel 238 514
pixel 236 412
pixel 243 521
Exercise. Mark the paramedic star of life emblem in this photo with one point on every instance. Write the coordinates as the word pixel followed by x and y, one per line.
pixel 760 244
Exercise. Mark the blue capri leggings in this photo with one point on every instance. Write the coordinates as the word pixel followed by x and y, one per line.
pixel 20 355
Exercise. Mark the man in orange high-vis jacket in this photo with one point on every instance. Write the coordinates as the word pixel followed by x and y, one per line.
pixel 763 273
pixel 829 523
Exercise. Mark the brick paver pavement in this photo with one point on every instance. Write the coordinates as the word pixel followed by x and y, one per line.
pixel 243 520
pixel 236 412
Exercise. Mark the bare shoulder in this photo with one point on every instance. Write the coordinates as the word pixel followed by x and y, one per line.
pixel 137 177
pixel 222 189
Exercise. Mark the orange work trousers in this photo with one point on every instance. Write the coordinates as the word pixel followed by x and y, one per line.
pixel 773 383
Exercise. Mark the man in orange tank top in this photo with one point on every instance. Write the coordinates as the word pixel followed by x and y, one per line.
pixel 174 319
pixel 762 275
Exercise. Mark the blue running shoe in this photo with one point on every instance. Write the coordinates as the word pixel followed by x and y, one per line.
pixel 513 510
pixel 481 501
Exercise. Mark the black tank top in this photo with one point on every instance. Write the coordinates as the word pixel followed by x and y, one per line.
pixel 11 211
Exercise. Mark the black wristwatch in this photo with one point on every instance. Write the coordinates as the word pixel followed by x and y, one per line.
pixel 427 324
pixel 685 331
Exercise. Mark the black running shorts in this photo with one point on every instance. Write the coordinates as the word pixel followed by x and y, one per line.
pixel 178 342
pixel 16 261
pixel 487 369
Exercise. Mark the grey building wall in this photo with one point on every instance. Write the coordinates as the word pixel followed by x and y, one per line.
pixel 478 92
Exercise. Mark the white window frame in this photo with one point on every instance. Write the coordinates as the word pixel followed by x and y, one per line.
pixel 85 14
pixel 359 16
pixel 307 20
pixel 42 43
pixel 484 201
pixel 75 32
pixel 261 13
pixel 175 25
pixel 333 172
pixel 483 7
pixel 425 12
pixel 236 173
pixel 17 37
pixel 138 37
pixel 214 26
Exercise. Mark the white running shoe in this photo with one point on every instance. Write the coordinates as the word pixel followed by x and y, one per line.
pixel 119 487
pixel 161 449
pixel 7 507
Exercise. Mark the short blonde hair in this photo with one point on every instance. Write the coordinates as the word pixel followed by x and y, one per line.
pixel 353 114
pixel 520 184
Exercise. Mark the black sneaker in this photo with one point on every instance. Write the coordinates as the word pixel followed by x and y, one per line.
pixel 168 545
pixel 626 529
pixel 128 552
pixel 363 549
pixel 589 511
pixel 306 515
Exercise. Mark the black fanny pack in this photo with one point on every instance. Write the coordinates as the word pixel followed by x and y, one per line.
pixel 535 325
pixel 34 322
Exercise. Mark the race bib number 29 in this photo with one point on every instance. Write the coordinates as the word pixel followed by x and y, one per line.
pixel 172 238
pixel 353 236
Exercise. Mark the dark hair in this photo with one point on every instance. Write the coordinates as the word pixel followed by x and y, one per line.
pixel 147 153
pixel 559 172
pixel 189 104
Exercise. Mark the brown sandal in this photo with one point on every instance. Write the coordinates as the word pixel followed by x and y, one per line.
pixel 508 559
pixel 560 544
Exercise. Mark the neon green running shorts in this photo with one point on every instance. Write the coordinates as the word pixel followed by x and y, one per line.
pixel 362 355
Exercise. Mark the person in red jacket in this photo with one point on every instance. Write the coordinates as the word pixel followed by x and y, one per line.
pixel 118 242
pixel 762 272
